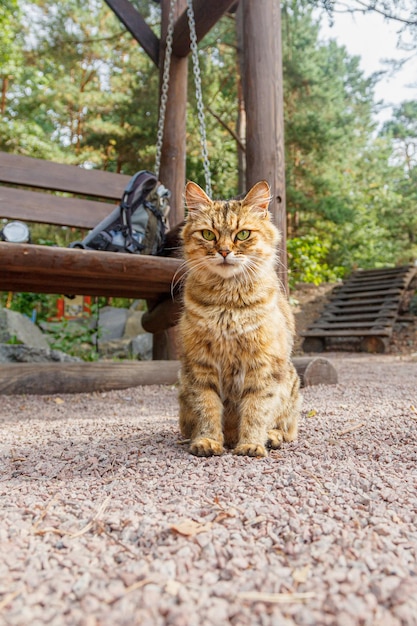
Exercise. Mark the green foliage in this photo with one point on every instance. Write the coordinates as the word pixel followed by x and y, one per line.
pixel 26 303
pixel 307 261
pixel 76 338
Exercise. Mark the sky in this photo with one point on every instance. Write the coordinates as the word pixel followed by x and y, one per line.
pixel 374 39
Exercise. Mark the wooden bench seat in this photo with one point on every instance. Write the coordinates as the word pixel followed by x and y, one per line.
pixel 90 195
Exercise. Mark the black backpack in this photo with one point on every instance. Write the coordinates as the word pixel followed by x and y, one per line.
pixel 138 224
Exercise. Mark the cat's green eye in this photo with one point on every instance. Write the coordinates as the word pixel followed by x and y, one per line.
pixel 243 234
pixel 208 235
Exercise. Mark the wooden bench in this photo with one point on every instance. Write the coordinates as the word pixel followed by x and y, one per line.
pixel 29 193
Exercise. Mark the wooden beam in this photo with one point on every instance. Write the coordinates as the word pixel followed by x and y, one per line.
pixel 137 27
pixel 206 15
pixel 52 378
pixel 45 269
pixel 263 95
pixel 41 174
pixel 162 316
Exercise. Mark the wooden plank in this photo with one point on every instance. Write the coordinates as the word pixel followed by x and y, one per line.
pixel 54 378
pixel 46 208
pixel 329 318
pixel 386 332
pixel 367 294
pixel 353 308
pixel 41 174
pixel 44 269
pixel 206 15
pixel 378 301
pixel 137 27
pixel 371 287
pixel 329 325
pixel 359 280
pixel 383 270
pixel 162 316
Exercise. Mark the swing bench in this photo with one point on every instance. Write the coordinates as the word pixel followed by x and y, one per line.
pixel 56 270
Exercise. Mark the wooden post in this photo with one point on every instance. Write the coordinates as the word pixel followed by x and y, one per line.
pixel 172 169
pixel 263 93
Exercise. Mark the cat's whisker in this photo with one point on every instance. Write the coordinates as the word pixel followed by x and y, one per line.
pixel 184 269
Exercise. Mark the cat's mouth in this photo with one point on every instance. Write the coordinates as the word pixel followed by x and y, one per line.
pixel 226 267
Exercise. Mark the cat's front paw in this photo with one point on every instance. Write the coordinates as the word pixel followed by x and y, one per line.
pixel 250 449
pixel 275 438
pixel 204 446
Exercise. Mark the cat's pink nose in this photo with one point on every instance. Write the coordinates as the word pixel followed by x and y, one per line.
pixel 224 252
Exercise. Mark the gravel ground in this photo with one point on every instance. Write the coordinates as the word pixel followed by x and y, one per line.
pixel 107 520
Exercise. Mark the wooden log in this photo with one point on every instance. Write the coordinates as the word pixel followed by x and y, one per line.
pixel 162 316
pixel 313 344
pixel 315 371
pixel 60 378
pixel 44 269
pixel 52 378
pixel 374 345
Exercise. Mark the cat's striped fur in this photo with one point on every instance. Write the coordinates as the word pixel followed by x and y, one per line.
pixel 238 387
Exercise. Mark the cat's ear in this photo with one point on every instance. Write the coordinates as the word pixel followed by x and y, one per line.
pixel 259 197
pixel 195 197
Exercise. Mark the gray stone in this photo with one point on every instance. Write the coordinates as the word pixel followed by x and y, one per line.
pixel 133 326
pixel 15 326
pixel 141 347
pixel 115 349
pixel 111 323
pixel 28 354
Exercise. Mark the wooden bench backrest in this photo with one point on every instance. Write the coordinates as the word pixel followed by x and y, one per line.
pixel 49 208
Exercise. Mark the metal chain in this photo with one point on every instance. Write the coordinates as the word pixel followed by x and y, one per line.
pixel 164 88
pixel 199 95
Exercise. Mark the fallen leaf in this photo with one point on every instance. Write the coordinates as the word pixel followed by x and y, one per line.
pixel 189 528
pixel 312 413
pixel 300 574
pixel 59 401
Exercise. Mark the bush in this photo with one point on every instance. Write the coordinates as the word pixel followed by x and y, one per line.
pixel 307 261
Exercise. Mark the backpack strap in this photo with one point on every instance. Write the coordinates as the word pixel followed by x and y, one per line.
pixel 143 181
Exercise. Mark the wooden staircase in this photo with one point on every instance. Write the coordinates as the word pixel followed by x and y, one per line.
pixel 363 310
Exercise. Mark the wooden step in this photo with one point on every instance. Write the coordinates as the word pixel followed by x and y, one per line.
pixel 365 307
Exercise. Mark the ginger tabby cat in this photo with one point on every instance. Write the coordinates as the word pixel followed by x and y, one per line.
pixel 238 386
